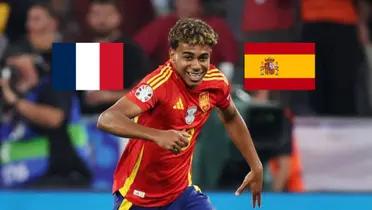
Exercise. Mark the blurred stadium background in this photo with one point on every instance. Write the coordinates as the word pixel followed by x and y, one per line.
pixel 316 146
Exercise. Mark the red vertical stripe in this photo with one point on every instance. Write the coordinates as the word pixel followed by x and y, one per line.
pixel 111 66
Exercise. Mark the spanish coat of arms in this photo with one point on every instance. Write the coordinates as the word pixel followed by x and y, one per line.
pixel 269 67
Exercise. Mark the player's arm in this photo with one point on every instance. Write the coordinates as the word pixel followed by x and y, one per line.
pixel 241 137
pixel 117 120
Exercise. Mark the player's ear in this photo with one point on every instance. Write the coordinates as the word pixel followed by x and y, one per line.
pixel 172 54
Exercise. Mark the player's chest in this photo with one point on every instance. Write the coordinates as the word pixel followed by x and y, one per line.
pixel 183 109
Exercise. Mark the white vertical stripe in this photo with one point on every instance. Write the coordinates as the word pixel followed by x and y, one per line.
pixel 87 66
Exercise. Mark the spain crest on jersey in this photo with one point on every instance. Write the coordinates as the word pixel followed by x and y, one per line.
pixel 204 103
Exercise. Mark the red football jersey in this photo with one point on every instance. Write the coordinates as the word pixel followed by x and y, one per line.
pixel 148 175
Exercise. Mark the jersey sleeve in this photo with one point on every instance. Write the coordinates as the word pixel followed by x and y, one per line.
pixel 148 92
pixel 224 98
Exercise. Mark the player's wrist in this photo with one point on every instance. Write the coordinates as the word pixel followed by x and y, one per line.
pixel 156 135
pixel 257 168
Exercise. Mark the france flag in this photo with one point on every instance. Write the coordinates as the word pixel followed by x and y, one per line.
pixel 87 66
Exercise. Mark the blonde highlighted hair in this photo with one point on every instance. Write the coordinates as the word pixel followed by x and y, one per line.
pixel 192 31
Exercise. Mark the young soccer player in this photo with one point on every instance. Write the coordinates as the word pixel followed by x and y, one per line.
pixel 169 107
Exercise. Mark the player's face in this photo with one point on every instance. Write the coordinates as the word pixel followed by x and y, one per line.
pixel 191 62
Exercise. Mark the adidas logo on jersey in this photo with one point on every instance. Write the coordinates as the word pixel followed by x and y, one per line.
pixel 178 105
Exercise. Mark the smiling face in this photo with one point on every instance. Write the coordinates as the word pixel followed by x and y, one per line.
pixel 191 62
pixel 191 41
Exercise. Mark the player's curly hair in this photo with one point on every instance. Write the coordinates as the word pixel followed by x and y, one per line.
pixel 192 31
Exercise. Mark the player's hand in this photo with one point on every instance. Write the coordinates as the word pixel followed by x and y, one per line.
pixel 173 140
pixel 253 180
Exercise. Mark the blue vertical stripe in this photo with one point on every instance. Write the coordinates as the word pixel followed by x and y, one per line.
pixel 63 66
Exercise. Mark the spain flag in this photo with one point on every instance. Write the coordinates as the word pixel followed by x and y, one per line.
pixel 279 66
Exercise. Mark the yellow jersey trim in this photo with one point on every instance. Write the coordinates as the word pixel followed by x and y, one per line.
pixel 129 181
pixel 125 205
pixel 161 73
pixel 189 177
pixel 213 75
pixel 212 71
pixel 162 80
pixel 214 78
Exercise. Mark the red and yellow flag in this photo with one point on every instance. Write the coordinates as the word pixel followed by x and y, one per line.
pixel 279 66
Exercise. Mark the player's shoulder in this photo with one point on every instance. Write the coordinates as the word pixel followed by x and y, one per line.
pixel 159 76
pixel 215 78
